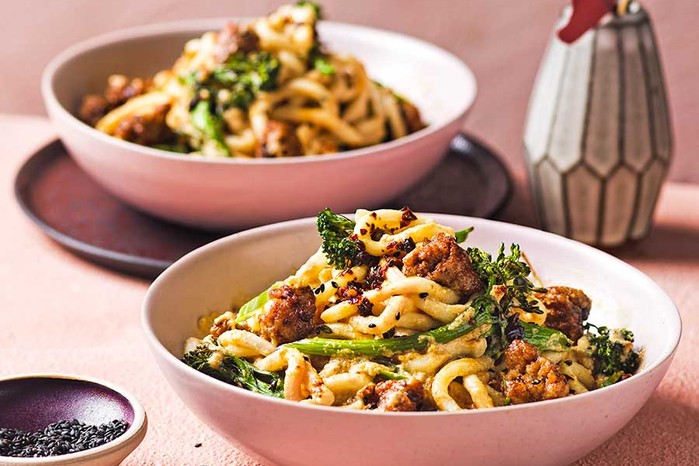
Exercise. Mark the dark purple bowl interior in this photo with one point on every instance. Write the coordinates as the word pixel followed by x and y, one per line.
pixel 33 403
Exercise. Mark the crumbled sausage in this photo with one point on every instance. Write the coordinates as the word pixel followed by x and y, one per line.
pixel 145 129
pixel 377 272
pixel 411 115
pixel 292 315
pixel 119 89
pixel 519 354
pixel 233 39
pixel 442 260
pixel 394 395
pixel 93 108
pixel 531 377
pixel 567 309
pixel 221 324
pixel 279 140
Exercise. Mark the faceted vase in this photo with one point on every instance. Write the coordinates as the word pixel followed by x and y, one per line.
pixel 598 137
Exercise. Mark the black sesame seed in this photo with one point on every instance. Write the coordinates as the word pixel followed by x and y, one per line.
pixel 334 284
pixel 58 438
pixel 397 315
pixel 197 445
pixel 371 325
pixel 424 295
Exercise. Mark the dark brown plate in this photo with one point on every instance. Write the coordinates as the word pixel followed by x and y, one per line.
pixel 78 214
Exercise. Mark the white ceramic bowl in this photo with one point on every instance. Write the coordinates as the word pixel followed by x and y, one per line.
pixel 554 432
pixel 33 401
pixel 216 193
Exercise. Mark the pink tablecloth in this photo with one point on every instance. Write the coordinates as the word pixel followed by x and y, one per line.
pixel 61 314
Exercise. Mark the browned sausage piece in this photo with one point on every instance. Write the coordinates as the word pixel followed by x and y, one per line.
pixel 279 141
pixel 233 39
pixel 292 315
pixel 377 273
pixel 442 260
pixel 145 129
pixel 567 309
pixel 119 90
pixel 411 115
pixel 531 377
pixel 93 108
pixel 394 395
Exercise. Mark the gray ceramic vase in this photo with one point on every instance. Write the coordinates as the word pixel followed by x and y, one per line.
pixel 598 137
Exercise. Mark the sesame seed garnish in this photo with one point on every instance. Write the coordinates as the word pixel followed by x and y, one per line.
pixel 59 438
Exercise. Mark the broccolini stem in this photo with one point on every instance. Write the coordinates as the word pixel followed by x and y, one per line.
pixel 236 371
pixel 387 346
pixel 249 309
pixel 544 338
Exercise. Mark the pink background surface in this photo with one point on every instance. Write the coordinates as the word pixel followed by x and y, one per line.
pixel 62 314
pixel 502 40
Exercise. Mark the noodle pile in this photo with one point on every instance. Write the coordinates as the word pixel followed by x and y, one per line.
pixel 391 313
pixel 263 89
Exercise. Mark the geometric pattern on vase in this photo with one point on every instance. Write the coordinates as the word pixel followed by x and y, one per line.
pixel 598 135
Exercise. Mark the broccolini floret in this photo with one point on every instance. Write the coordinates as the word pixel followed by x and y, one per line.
pixel 235 371
pixel 242 76
pixel 235 83
pixel 210 124
pixel 613 354
pixel 316 7
pixel 510 274
pixel 338 246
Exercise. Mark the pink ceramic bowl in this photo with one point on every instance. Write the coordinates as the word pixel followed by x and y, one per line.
pixel 216 193
pixel 233 269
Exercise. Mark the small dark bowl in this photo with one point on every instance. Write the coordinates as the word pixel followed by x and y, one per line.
pixel 31 402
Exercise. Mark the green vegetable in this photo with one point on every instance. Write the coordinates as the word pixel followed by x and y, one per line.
pixel 235 83
pixel 612 352
pixel 462 235
pixel 209 124
pixel 381 347
pixel 323 66
pixel 611 380
pixel 318 60
pixel 236 371
pixel 243 77
pixel 338 246
pixel 390 375
pixel 544 338
pixel 179 147
pixel 316 7
pixel 512 273
pixel 249 309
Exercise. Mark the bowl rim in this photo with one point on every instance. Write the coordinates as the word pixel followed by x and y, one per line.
pixel 128 440
pixel 161 352
pixel 163 28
